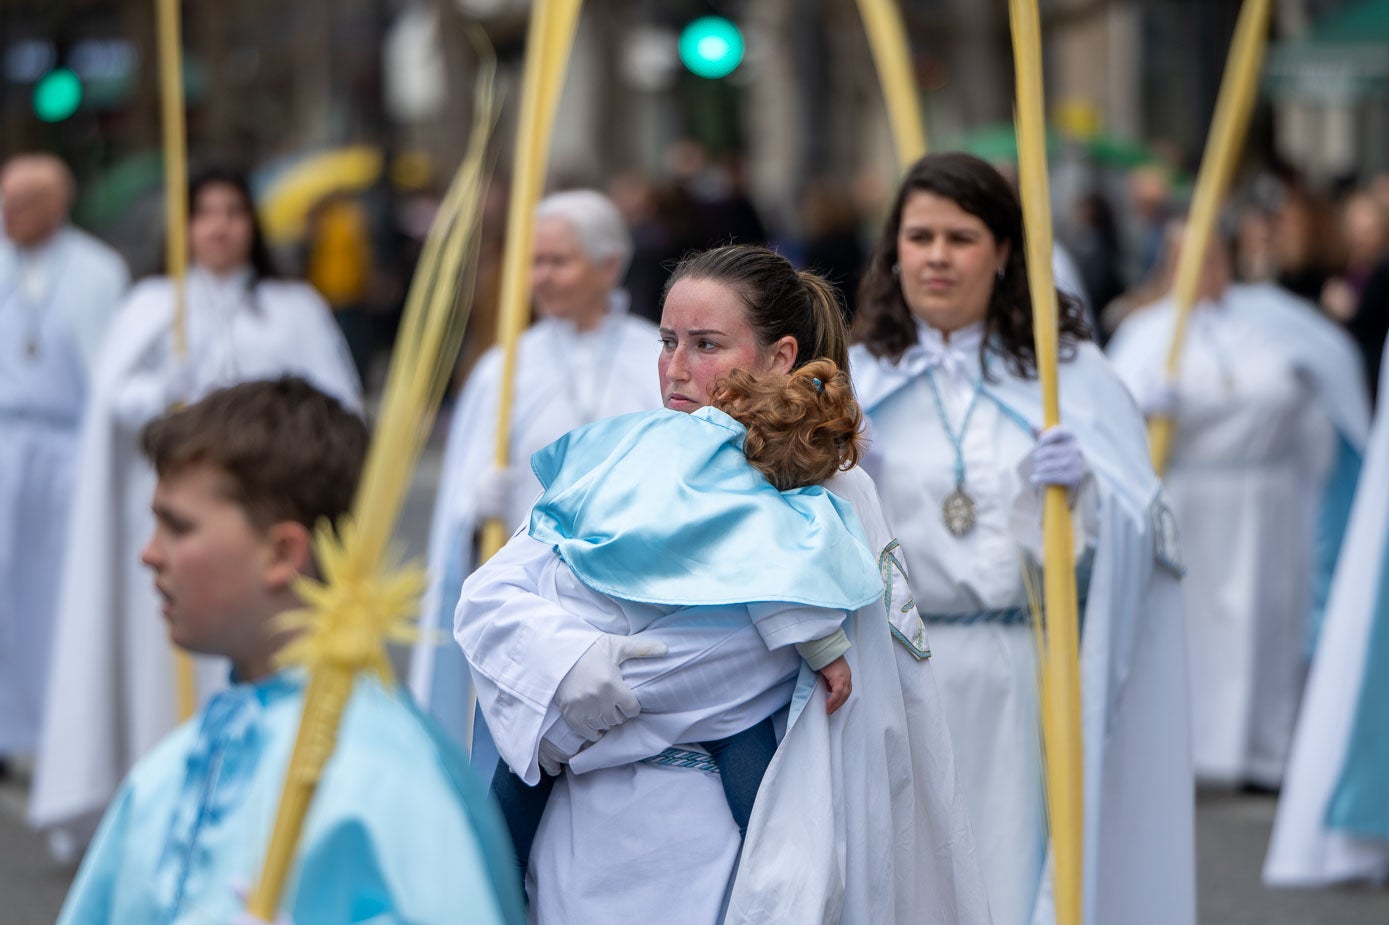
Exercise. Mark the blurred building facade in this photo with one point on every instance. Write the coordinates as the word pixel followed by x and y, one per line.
pixel 268 80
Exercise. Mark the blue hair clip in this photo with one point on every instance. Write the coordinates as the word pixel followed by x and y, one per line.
pixel 819 386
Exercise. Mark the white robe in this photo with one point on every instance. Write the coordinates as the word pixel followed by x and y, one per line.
pixel 857 821
pixel 563 379
pixel 111 692
pixel 1139 837
pixel 55 303
pixel 1304 851
pixel 1264 388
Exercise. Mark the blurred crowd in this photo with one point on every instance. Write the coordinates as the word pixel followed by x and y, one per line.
pixel 1328 246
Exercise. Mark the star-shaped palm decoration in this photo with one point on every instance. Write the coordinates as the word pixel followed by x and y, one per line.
pixel 358 606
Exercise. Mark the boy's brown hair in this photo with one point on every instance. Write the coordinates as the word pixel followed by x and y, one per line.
pixel 290 452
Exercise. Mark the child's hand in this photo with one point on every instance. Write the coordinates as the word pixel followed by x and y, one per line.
pixel 839 681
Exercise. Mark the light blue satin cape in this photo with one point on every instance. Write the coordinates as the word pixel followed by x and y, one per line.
pixel 399 830
pixel 662 507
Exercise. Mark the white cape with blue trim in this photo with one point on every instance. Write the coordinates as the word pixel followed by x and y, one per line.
pixel 1139 815
pixel 860 818
pixel 1271 420
pixel 1303 850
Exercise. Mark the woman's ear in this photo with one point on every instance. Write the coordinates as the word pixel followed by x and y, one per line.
pixel 290 548
pixel 781 356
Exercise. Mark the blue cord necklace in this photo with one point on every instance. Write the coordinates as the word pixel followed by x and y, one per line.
pixel 958 508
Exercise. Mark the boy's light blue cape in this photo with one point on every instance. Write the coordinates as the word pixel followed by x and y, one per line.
pixel 662 507
pixel 398 832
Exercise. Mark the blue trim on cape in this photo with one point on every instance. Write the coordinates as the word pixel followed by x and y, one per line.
pixel 1360 803
pixel 1332 519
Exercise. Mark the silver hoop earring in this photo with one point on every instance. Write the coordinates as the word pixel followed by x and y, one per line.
pixel 896 269
pixel 1000 271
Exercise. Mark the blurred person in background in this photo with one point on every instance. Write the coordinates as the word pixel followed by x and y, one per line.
pixel 339 264
pixel 1359 296
pixel 1098 251
pixel 111 691
pixel 1149 192
pixel 59 288
pixel 666 224
pixel 1332 824
pixel 1302 234
pixel 1255 260
pixel 586 357
pixel 1270 420
pixel 717 188
pixel 1364 244
pixel 833 245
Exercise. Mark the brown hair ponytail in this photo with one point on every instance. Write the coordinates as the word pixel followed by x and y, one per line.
pixel 802 427
pixel 778 301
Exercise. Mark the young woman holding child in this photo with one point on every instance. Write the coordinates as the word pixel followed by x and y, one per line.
pixel 662 542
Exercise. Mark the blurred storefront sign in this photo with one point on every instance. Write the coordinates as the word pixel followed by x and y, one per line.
pixel 1328 73
pixel 1343 60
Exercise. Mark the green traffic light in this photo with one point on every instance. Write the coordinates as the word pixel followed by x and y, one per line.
pixel 57 95
pixel 711 47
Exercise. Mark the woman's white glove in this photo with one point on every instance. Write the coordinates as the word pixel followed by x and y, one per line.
pixel 1057 460
pixel 1158 401
pixel 552 758
pixel 593 696
pixel 493 490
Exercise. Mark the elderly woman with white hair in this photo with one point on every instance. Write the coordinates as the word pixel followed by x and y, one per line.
pixel 584 359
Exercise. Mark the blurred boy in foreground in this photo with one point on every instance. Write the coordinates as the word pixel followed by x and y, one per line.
pixel 397 832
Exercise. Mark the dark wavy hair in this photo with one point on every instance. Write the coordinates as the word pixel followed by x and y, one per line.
pixel 217 175
pixel 780 301
pixel 802 427
pixel 884 323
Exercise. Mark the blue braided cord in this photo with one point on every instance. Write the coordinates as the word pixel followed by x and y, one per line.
pixel 1015 616
pixel 1007 616
pixel 956 440
pixel 684 758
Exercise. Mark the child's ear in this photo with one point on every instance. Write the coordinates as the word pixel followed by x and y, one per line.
pixel 291 553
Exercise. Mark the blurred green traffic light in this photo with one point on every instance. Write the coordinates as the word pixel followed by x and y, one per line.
pixel 57 95
pixel 711 47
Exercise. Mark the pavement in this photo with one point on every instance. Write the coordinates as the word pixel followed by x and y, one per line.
pixel 1231 829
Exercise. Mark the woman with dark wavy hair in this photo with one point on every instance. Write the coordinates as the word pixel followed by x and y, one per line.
pixel 945 367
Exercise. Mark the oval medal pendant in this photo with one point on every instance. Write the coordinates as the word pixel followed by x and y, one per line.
pixel 958 512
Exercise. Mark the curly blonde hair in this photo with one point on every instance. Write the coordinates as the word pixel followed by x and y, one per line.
pixel 802 427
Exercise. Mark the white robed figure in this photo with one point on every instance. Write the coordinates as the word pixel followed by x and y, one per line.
pixel 397 830
pixel 585 359
pixel 1270 419
pixel 1333 815
pixel 858 819
pixel 59 288
pixel 111 692
pixel 944 371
